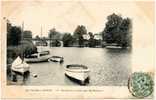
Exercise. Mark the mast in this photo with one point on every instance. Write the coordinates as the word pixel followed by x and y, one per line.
pixel 22 38
pixel 41 37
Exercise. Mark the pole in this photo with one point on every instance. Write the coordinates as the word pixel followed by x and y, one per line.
pixel 41 30
pixel 22 38
pixel 41 37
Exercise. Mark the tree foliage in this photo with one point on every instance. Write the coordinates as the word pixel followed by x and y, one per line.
pixel 27 34
pixel 16 45
pixel 55 43
pixel 125 33
pixel 91 35
pixel 67 40
pixel 54 35
pixel 117 30
pixel 78 34
pixel 27 47
pixel 91 41
pixel 14 36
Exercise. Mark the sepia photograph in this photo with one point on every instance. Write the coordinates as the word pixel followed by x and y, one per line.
pixel 55 49
pixel 79 43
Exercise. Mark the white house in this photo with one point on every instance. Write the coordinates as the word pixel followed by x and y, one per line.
pixel 86 36
pixel 98 36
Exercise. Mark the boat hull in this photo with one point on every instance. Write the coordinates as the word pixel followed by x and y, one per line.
pixel 38 57
pixel 35 60
pixel 113 47
pixel 78 75
pixel 21 70
pixel 56 59
pixel 24 68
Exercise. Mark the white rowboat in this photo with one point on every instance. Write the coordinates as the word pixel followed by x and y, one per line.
pixel 78 72
pixel 56 59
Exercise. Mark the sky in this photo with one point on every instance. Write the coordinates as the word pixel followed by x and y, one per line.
pixel 65 15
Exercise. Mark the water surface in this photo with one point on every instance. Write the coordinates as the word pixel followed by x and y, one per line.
pixel 109 67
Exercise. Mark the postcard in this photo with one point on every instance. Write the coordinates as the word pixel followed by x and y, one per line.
pixel 77 49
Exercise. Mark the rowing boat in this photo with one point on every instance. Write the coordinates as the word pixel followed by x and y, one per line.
pixel 56 59
pixel 78 72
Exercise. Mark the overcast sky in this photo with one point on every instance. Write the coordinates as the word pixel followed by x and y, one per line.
pixel 65 16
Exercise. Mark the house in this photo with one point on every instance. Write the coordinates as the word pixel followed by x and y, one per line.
pixel 86 36
pixel 98 36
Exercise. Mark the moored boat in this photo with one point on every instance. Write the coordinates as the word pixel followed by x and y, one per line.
pixel 113 47
pixel 38 57
pixel 56 59
pixel 78 72
pixel 20 66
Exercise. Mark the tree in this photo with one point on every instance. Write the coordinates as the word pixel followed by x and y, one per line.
pixel 91 35
pixel 78 34
pixel 28 48
pixel 117 30
pixel 111 28
pixel 67 40
pixel 125 33
pixel 52 32
pixel 14 36
pixel 37 37
pixel 54 35
pixel 92 41
pixel 27 34
pixel 55 43
pixel 8 26
pixel 43 41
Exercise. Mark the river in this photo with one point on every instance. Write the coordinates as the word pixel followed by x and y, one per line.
pixel 109 67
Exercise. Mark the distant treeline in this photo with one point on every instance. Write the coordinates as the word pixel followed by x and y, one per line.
pixel 117 30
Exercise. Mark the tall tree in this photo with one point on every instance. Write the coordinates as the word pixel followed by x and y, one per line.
pixel 125 33
pixel 91 35
pixel 111 29
pixel 54 35
pixel 9 26
pixel 67 40
pixel 78 34
pixel 52 32
pixel 117 30
pixel 14 36
pixel 92 41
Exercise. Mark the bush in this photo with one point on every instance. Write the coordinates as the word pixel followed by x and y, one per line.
pixel 55 43
pixel 26 47
pixel 67 40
